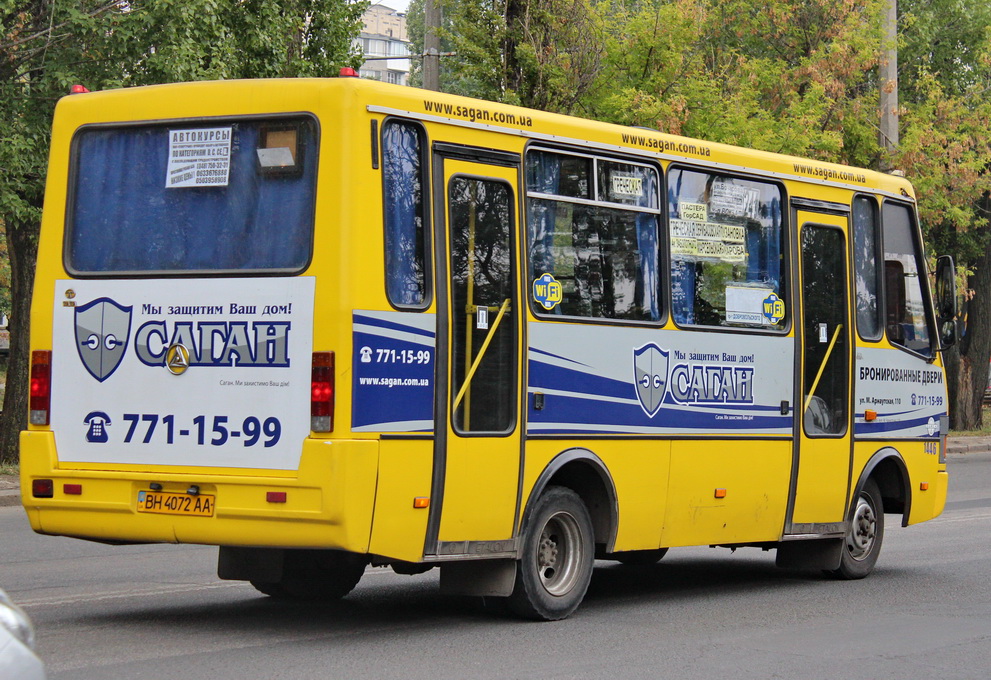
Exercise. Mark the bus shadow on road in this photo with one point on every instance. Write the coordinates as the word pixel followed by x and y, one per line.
pixel 744 578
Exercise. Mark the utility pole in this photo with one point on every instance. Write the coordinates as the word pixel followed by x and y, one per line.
pixel 889 83
pixel 431 45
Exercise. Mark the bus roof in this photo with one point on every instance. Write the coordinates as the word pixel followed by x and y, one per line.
pixel 218 98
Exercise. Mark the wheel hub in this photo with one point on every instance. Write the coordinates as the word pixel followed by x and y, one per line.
pixel 860 540
pixel 559 554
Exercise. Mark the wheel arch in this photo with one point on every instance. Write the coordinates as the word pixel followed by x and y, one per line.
pixel 888 469
pixel 583 472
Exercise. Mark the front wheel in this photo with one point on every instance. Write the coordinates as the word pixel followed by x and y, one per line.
pixel 862 543
pixel 556 559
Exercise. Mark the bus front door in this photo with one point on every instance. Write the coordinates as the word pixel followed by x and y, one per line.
pixel 477 434
pixel 821 473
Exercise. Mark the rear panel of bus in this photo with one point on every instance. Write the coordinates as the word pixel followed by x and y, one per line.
pixel 175 307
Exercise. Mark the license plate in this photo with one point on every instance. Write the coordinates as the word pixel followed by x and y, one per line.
pixel 164 503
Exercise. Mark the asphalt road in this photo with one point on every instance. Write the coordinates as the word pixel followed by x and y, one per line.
pixel 155 612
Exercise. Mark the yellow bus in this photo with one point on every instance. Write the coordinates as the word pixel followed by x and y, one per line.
pixel 332 323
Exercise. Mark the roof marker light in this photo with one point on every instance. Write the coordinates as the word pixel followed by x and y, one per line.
pixel 78 89
pixel 348 72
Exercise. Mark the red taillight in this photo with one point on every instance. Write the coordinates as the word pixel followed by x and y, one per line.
pixel 43 488
pixel 322 392
pixel 41 387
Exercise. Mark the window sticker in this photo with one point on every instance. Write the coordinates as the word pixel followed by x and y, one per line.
pixel 547 292
pixel 708 241
pixel 753 305
pixel 735 200
pixel 626 184
pixel 199 158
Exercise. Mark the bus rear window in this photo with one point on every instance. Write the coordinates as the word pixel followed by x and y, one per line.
pixel 227 196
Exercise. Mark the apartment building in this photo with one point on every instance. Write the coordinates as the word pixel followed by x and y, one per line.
pixel 385 44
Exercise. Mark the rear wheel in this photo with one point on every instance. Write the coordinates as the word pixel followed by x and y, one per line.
pixel 862 543
pixel 320 575
pixel 556 561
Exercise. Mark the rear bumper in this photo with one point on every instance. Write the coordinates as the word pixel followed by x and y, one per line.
pixel 332 509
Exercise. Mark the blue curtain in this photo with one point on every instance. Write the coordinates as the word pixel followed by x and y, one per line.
pixel 543 175
pixel 682 271
pixel 764 247
pixel 648 285
pixel 404 240
pixel 124 219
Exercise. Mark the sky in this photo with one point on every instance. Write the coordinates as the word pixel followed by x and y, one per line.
pixel 398 5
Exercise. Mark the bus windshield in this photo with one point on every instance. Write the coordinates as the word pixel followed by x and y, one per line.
pixel 234 195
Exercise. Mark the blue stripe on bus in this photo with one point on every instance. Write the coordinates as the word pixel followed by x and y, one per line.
pixel 562 411
pixel 380 323
pixel 552 377
pixel 534 350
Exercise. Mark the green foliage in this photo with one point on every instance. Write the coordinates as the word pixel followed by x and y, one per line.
pixel 785 76
pixel 544 54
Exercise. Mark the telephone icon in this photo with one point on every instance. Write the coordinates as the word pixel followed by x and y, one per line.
pixel 97 421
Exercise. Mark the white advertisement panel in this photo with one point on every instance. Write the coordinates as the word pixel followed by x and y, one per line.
pixel 202 372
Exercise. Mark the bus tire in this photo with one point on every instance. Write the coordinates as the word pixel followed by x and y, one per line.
pixel 640 558
pixel 315 575
pixel 556 558
pixel 862 543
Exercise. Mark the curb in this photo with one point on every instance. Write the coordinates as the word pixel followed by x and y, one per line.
pixel 9 497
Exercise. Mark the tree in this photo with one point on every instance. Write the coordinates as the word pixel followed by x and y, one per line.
pixel 945 83
pixel 543 54
pixel 46 46
pixel 784 76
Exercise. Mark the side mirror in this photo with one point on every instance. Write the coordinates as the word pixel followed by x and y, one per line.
pixel 946 300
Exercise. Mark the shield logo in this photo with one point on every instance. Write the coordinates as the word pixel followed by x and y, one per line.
pixel 102 331
pixel 650 367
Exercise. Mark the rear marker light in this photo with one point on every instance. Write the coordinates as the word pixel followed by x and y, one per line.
pixel 72 489
pixel 41 386
pixel 322 392
pixel 43 488
pixel 276 496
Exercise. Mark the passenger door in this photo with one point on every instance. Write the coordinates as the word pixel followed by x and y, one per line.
pixel 821 471
pixel 477 444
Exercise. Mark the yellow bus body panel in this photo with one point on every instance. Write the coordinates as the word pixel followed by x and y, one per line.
pixel 750 476
pixel 399 528
pixel 355 490
pixel 336 513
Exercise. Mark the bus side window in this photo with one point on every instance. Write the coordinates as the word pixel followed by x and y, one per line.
pixel 867 271
pixel 904 302
pixel 592 229
pixel 403 182
pixel 727 250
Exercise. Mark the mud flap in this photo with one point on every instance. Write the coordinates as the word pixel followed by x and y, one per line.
pixel 250 564
pixel 823 553
pixel 479 578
